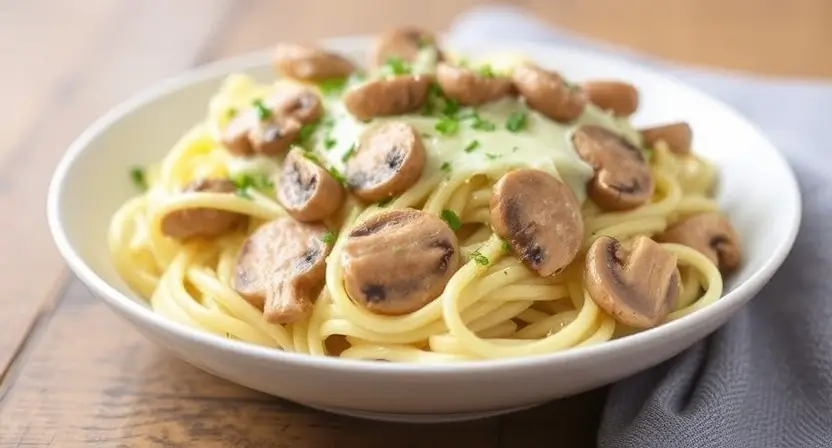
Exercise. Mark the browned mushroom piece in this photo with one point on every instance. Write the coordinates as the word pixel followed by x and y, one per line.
pixel 539 217
pixel 281 268
pixel 254 132
pixel 709 233
pixel 403 43
pixel 387 96
pixel 638 288
pixel 309 63
pixel 471 88
pixel 678 137
pixel 622 178
pixel 306 190
pixel 296 102
pixel 388 159
pixel 203 221
pixel 397 261
pixel 620 97
pixel 548 93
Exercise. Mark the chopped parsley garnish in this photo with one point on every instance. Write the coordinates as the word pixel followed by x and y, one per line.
pixel 337 175
pixel 385 202
pixel 425 41
pixel 447 125
pixel 479 258
pixel 451 107
pixel 427 135
pixel 452 219
pixel 307 130
pixel 231 112
pixel 395 66
pixel 333 86
pixel 330 142
pixel 244 181
pixel 349 153
pixel 328 238
pixel 492 156
pixel 506 247
pixel 138 177
pixel 311 156
pixel 263 112
pixel 486 71
pixel 470 147
pixel 446 167
pixel 648 153
pixel 482 124
pixel 514 149
pixel 516 121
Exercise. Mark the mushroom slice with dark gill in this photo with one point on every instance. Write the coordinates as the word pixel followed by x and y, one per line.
pixel 548 93
pixel 637 288
pixel 619 97
pixel 471 88
pixel 281 268
pixel 622 178
pixel 395 95
pixel 397 261
pixel 296 102
pixel 309 63
pixel 260 132
pixel 539 217
pixel 306 190
pixel 388 159
pixel 402 43
pixel 678 137
pixel 709 233
pixel 202 221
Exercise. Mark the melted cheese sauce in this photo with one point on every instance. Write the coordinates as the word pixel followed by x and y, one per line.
pixel 542 143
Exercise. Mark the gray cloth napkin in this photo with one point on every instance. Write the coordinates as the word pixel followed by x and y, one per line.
pixel 765 378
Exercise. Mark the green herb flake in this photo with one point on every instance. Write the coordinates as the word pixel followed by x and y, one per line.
pixel 452 219
pixel 328 237
pixel 506 247
pixel 244 181
pixel 333 86
pixel 451 107
pixel 330 142
pixel 311 156
pixel 138 177
pixel 492 156
pixel 479 258
pixel 350 152
pixel 385 202
pixel 470 147
pixel 486 71
pixel 307 131
pixel 396 66
pixel 516 121
pixel 447 125
pixel 263 112
pixel 482 124
pixel 337 175
pixel 446 167
pixel 648 153
pixel 425 41
pixel 231 113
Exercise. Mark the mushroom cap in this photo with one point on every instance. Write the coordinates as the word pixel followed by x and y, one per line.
pixel 395 95
pixel 469 87
pixel 678 137
pixel 622 178
pixel 306 190
pixel 281 268
pixel 248 134
pixel 620 97
pixel 388 159
pixel 638 288
pixel 709 233
pixel 309 63
pixel 548 93
pixel 202 221
pixel 297 102
pixel 403 43
pixel 397 261
pixel 540 218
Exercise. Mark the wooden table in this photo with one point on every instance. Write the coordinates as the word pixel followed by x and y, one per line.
pixel 75 375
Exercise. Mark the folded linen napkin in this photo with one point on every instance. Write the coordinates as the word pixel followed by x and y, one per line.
pixel 765 378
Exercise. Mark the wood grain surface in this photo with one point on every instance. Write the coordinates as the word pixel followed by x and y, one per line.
pixel 75 375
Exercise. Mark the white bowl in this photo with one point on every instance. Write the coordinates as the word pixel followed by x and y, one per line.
pixel 758 191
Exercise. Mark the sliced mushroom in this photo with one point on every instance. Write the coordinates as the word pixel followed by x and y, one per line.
pixel 677 136
pixel 619 97
pixel 387 96
pixel 249 134
pixel 403 43
pixel 308 63
pixel 471 88
pixel 622 178
pixel 539 217
pixel 711 234
pixel 306 190
pixel 638 288
pixel 548 93
pixel 299 103
pixel 388 159
pixel 397 261
pixel 281 268
pixel 202 221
